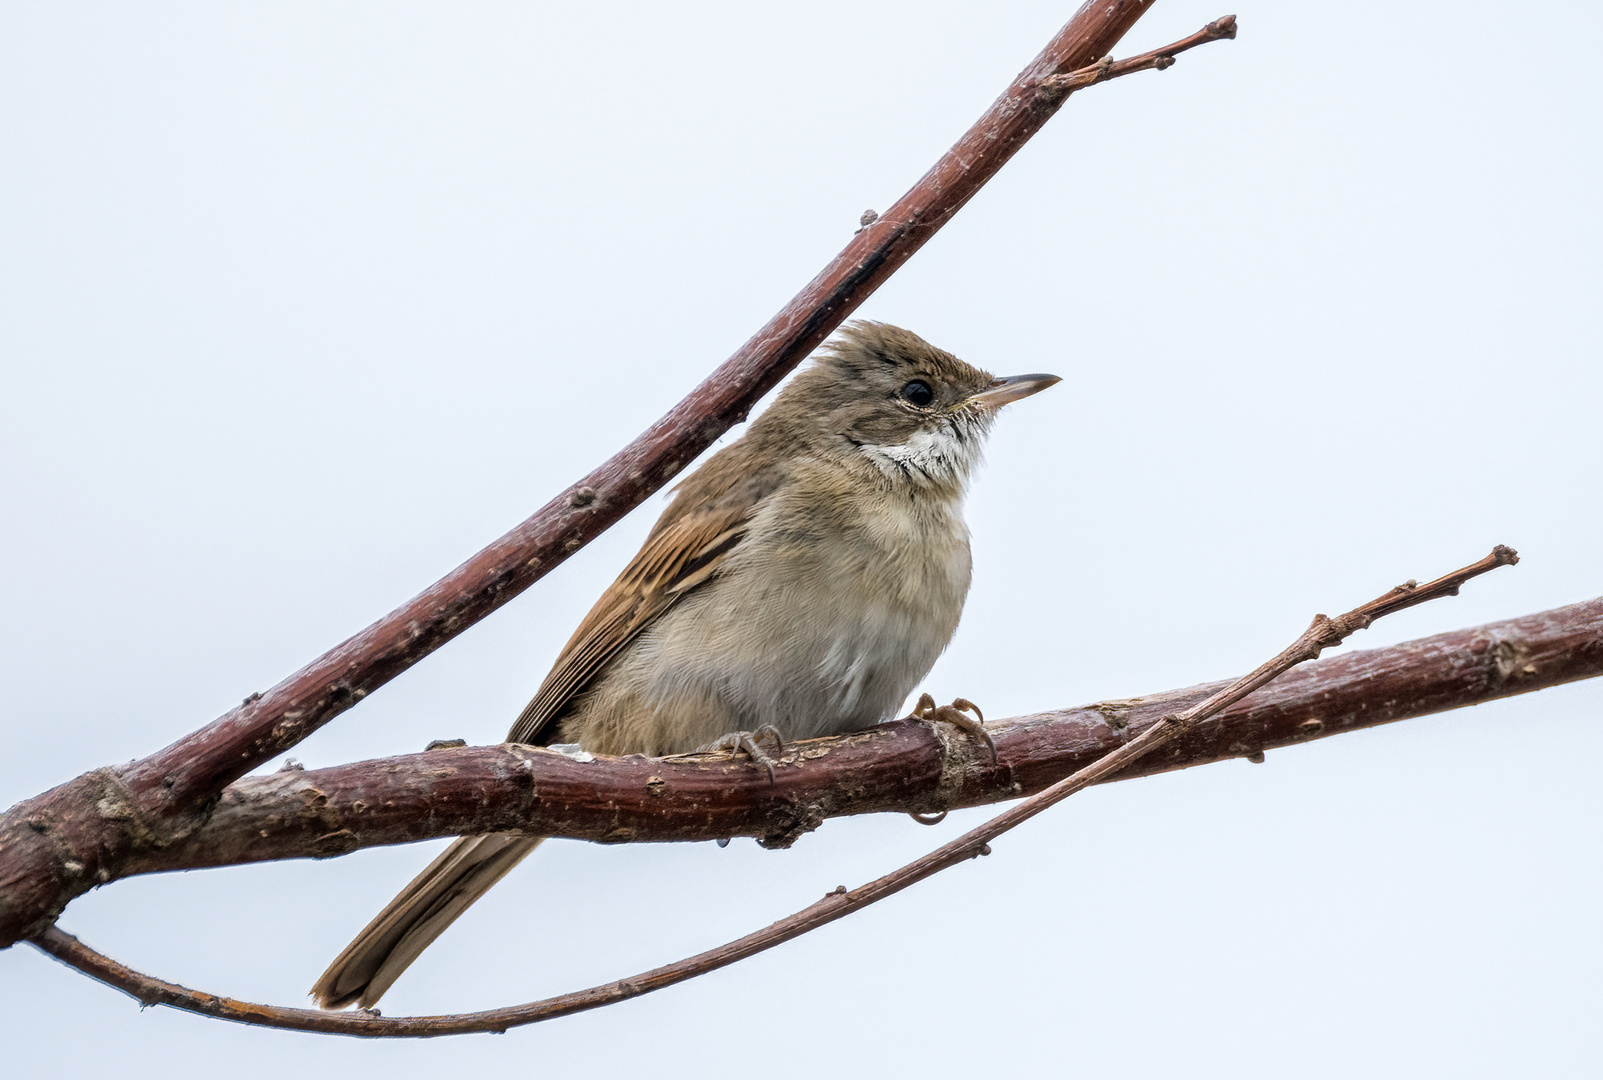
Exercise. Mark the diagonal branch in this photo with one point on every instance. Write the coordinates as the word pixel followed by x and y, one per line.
pixel 50 847
pixel 199 766
pixel 1322 634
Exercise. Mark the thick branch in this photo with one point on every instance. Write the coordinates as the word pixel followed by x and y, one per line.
pixel 57 846
pixel 900 766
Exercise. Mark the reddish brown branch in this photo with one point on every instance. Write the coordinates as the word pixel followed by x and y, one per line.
pixel 57 846
pixel 900 766
pixel 1324 633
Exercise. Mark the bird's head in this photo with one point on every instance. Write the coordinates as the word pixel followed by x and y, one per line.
pixel 914 412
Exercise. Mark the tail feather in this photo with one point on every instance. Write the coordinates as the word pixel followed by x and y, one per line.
pixel 373 961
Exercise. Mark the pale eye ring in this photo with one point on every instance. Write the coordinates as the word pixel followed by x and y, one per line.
pixel 917 393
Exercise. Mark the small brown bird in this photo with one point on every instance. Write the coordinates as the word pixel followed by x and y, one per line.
pixel 801 583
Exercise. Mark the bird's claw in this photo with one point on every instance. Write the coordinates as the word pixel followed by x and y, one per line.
pixel 746 742
pixel 956 714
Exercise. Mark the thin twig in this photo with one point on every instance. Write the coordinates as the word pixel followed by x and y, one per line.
pixel 1058 87
pixel 1322 634
pixel 58 845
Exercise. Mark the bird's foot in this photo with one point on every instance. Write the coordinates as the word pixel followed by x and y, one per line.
pixel 746 742
pixel 956 714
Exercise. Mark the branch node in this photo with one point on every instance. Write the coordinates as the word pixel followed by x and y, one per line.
pixel 802 820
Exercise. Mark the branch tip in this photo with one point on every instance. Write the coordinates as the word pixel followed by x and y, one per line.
pixel 1054 88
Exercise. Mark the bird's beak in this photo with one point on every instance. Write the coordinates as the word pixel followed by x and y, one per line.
pixel 1012 388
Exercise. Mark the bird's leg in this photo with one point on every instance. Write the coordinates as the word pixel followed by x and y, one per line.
pixel 746 741
pixel 956 714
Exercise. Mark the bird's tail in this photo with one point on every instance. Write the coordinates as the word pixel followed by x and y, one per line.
pixel 422 911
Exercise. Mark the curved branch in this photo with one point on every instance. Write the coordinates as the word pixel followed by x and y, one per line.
pixel 54 846
pixel 1323 633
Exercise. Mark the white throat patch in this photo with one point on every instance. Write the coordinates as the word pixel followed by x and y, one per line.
pixel 944 455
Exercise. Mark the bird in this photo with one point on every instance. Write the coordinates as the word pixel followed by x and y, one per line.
pixel 800 583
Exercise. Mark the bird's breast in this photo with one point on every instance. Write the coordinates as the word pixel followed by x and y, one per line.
pixel 823 619
pixel 835 606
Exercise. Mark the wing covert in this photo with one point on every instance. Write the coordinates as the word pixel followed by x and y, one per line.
pixel 683 551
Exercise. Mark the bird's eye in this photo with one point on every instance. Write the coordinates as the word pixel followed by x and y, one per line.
pixel 918 393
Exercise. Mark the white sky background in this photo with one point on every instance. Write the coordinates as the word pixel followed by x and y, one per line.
pixel 300 305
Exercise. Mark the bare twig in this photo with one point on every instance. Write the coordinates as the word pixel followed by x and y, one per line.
pixel 1059 87
pixel 1322 634
pixel 60 844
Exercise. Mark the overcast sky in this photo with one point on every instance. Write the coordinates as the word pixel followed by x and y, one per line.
pixel 301 304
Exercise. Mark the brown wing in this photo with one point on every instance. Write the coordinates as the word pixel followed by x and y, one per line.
pixel 685 549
